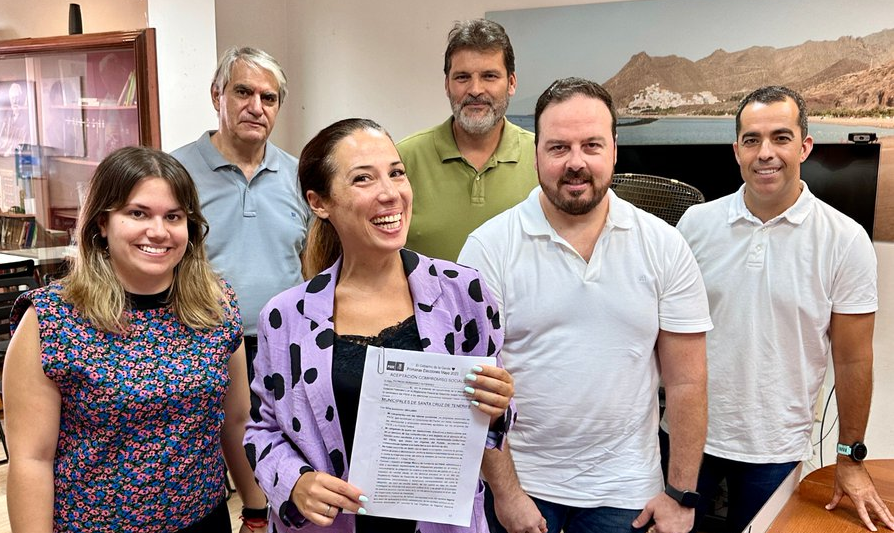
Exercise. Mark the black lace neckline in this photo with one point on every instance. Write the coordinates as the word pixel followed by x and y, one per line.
pixel 378 340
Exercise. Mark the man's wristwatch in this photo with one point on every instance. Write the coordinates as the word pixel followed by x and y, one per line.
pixel 686 498
pixel 856 451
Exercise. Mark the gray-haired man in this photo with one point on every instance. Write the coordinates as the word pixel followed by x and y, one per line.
pixel 248 187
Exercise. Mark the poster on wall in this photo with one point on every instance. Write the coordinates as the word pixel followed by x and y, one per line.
pixel 62 124
pixel 17 116
pixel 677 70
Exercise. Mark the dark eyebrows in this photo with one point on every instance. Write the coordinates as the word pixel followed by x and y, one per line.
pixel 554 142
pixel 250 89
pixel 489 72
pixel 588 140
pixel 372 167
pixel 774 133
pixel 143 207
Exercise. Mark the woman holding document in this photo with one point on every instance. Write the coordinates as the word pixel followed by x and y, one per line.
pixel 363 289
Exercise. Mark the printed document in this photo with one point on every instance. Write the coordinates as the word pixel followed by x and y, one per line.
pixel 418 441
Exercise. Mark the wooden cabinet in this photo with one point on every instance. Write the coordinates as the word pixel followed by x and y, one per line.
pixel 65 103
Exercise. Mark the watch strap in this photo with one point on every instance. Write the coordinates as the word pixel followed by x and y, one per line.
pixel 686 498
pixel 856 451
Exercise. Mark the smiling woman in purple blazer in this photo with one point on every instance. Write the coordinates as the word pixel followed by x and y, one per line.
pixel 364 288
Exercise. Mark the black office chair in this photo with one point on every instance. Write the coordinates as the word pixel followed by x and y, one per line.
pixel 10 289
pixel 665 198
pixel 18 269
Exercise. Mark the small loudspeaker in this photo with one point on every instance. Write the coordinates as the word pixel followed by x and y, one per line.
pixel 74 19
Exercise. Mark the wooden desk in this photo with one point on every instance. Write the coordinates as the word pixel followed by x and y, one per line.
pixel 805 511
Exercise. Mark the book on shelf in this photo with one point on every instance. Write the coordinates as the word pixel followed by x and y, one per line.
pixel 29 233
pixel 18 232
pixel 128 92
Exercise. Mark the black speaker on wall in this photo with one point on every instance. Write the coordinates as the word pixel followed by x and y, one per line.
pixel 74 19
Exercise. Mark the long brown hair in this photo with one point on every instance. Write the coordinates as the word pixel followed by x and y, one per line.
pixel 316 168
pixel 92 286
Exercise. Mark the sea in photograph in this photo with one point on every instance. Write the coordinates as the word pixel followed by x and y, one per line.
pixel 707 130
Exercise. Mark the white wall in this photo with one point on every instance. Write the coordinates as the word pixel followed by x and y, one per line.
pixel 381 60
pixel 880 433
pixel 187 55
pixel 268 27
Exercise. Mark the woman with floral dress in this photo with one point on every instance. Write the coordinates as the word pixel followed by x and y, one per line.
pixel 125 383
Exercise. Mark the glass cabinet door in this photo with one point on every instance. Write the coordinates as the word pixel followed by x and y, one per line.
pixel 66 103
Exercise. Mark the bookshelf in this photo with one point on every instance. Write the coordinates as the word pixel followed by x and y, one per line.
pixel 17 231
pixel 65 103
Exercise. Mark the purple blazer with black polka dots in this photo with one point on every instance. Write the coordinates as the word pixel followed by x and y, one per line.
pixel 294 427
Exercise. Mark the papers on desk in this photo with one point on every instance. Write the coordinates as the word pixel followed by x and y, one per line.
pixel 418 443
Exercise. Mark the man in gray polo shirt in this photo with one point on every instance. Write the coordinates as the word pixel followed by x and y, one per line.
pixel 248 187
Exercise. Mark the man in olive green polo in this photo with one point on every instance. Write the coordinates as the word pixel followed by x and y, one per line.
pixel 476 164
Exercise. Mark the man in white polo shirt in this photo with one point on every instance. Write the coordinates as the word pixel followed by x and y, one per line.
pixel 599 300
pixel 790 280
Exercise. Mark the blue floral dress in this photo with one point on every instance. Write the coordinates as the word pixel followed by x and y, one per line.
pixel 139 437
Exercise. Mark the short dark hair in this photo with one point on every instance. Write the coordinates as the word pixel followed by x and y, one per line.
pixel 772 94
pixel 480 35
pixel 564 89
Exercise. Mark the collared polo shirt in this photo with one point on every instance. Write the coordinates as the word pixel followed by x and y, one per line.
pixel 772 287
pixel 451 197
pixel 580 343
pixel 257 228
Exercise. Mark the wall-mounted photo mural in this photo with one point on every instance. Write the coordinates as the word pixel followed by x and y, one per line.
pixel 678 68
pixel 666 61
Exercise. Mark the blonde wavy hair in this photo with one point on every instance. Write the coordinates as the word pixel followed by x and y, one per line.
pixel 196 294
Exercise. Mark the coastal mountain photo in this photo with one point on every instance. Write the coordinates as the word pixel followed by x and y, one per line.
pixel 677 70
pixel 850 76
pixel 700 57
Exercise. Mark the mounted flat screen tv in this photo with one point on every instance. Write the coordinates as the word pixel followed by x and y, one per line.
pixel 843 175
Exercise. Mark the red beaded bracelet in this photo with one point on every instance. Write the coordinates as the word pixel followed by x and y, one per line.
pixel 254 523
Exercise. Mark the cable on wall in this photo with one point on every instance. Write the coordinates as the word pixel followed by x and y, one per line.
pixel 823 422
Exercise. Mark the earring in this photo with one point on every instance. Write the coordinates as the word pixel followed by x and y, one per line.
pixel 95 245
pixel 104 249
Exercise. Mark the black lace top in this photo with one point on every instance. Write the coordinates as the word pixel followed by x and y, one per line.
pixel 348 356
